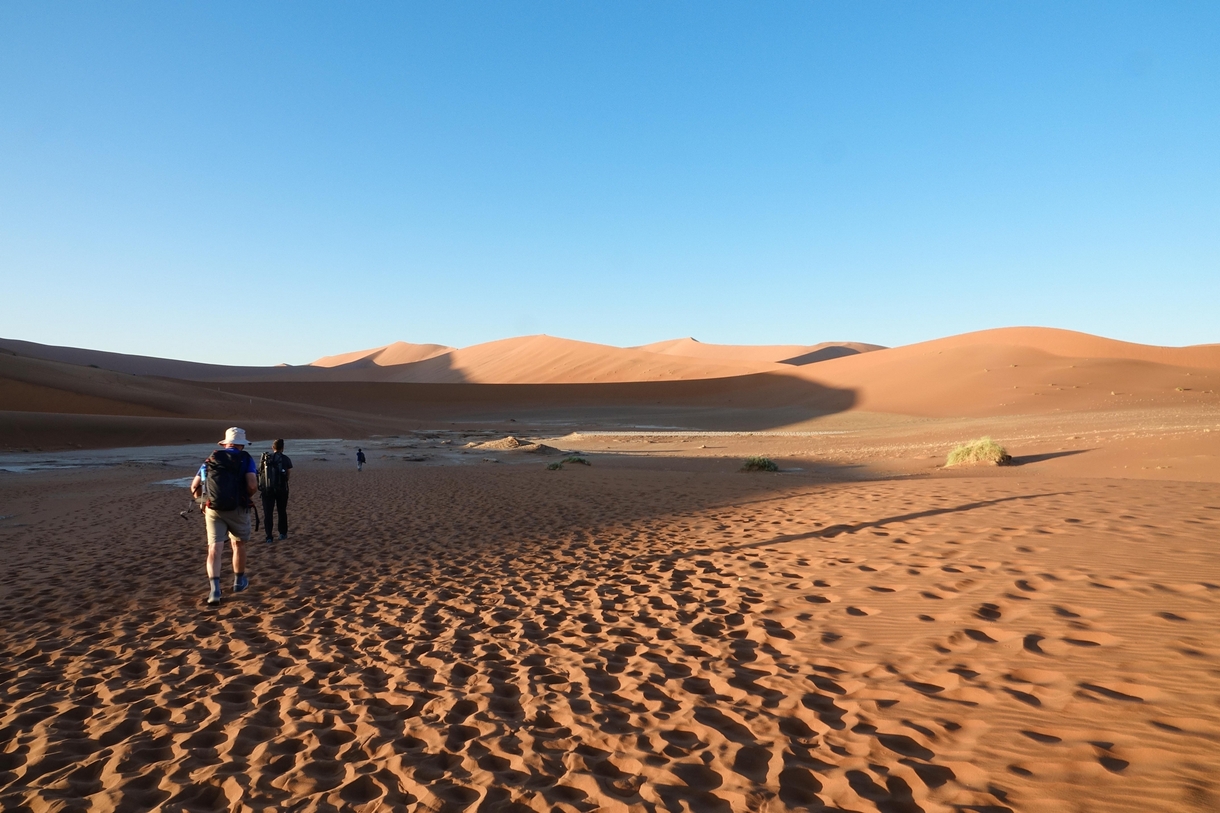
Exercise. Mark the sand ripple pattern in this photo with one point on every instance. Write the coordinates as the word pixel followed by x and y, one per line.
pixel 451 640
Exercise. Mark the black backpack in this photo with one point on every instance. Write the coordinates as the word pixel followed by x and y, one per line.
pixel 226 482
pixel 272 477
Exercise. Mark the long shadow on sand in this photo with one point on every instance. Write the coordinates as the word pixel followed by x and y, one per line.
pixel 835 530
pixel 1025 460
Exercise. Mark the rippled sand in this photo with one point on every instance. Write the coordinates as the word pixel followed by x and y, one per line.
pixel 644 635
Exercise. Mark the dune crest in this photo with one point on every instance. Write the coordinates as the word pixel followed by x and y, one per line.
pixel 774 353
pixel 549 360
pixel 385 356
pixel 1023 370
pixel 1068 344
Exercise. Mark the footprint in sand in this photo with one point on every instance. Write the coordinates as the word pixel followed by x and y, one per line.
pixel 1125 691
pixel 1038 677
pixel 1091 638
pixel 1033 584
pixel 1179 616
pixel 1068 611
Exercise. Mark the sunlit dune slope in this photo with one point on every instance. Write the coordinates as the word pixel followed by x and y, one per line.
pixel 1024 370
pixel 550 360
pixel 775 353
pixel 385 356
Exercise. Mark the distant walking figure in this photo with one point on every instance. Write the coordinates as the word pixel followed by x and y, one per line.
pixel 359 460
pixel 227 480
pixel 274 469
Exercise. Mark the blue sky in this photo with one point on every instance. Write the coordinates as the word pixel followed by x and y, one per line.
pixel 257 183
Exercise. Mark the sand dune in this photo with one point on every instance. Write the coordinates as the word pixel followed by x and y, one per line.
pixel 522 360
pixel 693 348
pixel 135 365
pixel 775 353
pixel 385 356
pixel 1024 371
pixel 1065 343
pixel 550 360
pixel 1017 371
pixel 50 404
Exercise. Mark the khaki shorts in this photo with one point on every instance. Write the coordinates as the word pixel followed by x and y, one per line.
pixel 223 525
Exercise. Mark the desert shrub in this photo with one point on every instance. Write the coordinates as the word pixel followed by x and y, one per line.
pixel 758 463
pixel 556 466
pixel 576 459
pixel 983 450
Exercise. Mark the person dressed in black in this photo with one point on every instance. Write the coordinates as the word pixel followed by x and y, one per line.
pixel 274 470
pixel 360 460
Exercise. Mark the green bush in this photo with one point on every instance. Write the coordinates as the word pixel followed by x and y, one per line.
pixel 983 450
pixel 758 463
pixel 578 460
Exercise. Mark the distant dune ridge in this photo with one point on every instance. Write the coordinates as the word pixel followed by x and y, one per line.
pixel 1005 371
pixel 385 356
pixel 795 354
pixel 550 360
pixel 1023 370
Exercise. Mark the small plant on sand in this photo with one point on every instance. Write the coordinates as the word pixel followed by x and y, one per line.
pixel 576 459
pixel 983 450
pixel 758 463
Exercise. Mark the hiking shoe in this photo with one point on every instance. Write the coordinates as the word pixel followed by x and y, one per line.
pixel 240 583
pixel 269 539
pixel 283 537
pixel 213 596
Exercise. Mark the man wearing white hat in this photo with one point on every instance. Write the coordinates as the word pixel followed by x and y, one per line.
pixel 230 478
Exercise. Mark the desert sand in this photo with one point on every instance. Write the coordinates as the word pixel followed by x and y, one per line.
pixel 460 628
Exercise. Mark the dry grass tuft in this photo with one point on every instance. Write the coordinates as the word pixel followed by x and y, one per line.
pixel 983 450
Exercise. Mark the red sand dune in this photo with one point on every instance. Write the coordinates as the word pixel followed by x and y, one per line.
pixel 52 404
pixel 1011 371
pixel 136 365
pixel 386 355
pixel 550 360
pixel 774 353
pixel 1023 370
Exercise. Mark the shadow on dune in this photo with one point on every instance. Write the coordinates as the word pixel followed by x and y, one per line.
pixel 62 404
pixel 824 354
pixel 740 403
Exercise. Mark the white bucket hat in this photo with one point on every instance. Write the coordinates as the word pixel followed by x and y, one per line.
pixel 235 436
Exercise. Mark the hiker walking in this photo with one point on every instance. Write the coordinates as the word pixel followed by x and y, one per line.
pixel 360 460
pixel 274 469
pixel 226 481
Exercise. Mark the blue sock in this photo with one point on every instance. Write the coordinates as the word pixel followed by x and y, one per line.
pixel 216 585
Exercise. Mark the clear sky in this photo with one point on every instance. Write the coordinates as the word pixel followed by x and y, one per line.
pixel 252 183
